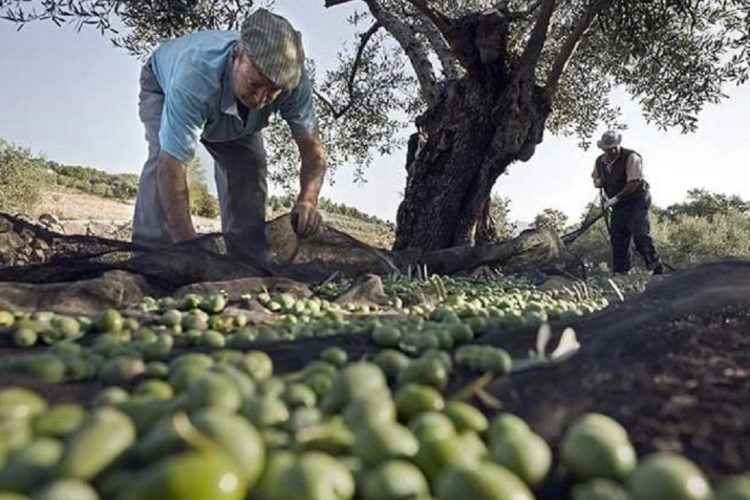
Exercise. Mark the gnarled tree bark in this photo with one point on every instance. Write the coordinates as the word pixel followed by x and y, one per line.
pixel 492 117
pixel 482 123
pixel 477 125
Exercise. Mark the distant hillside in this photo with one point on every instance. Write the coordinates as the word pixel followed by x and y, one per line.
pixel 98 182
pixel 81 193
pixel 124 187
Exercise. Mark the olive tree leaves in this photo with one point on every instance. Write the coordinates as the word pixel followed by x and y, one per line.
pixel 362 104
pixel 673 56
pixel 677 56
pixel 144 22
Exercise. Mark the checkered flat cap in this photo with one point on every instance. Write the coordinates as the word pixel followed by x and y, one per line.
pixel 275 48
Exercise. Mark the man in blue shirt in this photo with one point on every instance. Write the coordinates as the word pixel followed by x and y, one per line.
pixel 220 88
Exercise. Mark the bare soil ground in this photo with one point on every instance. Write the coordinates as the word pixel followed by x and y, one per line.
pixel 69 204
pixel 84 213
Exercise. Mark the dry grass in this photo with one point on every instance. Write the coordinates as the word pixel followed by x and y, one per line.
pixel 71 204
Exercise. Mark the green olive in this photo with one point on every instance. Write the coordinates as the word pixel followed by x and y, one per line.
pixel 599 489
pixel 334 355
pixel 413 399
pixel 526 455
pixel 484 481
pixel 432 425
pixel 352 382
pixel 465 417
pixel 394 480
pixel 314 476
pixel 189 476
pixel 426 371
pixel 667 475
pixel 109 321
pixel 386 335
pixel 376 443
pixel 213 390
pixel 597 446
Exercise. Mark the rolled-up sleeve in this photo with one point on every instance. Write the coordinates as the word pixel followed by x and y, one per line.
pixel 183 118
pixel 634 167
pixel 297 108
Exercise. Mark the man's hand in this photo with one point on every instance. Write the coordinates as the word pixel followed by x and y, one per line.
pixel 610 202
pixel 306 219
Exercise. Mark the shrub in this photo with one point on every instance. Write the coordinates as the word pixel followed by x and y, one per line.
pixel 681 239
pixel 202 202
pixel 99 188
pixel 90 180
pixel 689 239
pixel 21 179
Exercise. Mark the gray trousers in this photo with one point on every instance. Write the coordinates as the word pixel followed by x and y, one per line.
pixel 239 170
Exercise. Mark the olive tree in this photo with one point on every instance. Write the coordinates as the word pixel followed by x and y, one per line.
pixel 494 75
pixel 552 218
pixel 486 79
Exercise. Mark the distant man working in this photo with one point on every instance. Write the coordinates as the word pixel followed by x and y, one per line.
pixel 619 173
pixel 221 88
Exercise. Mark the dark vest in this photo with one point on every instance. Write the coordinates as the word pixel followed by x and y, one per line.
pixel 614 181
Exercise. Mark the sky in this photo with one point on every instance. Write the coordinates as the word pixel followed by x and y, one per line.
pixel 73 97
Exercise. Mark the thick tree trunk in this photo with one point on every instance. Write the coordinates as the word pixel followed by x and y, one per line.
pixel 483 123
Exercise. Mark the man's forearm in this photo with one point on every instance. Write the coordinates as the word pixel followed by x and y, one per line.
pixel 313 169
pixel 174 197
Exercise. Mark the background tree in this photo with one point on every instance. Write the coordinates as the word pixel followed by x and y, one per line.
pixel 145 22
pixel 702 203
pixel 552 219
pixel 22 179
pixel 489 76
pixel 494 75
pixel 498 226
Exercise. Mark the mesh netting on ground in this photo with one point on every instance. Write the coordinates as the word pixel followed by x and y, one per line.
pixel 50 257
pixel 66 258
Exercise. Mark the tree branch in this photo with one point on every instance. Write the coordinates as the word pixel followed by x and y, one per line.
pixel 441 21
pixel 412 46
pixel 333 3
pixel 451 67
pixel 325 101
pixel 364 39
pixel 538 36
pixel 571 43
pixel 523 14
